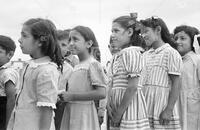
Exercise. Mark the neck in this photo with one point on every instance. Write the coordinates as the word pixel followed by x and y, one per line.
pixel 37 54
pixel 158 44
pixel 83 56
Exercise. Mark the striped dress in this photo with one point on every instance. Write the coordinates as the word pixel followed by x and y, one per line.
pixel 128 63
pixel 158 64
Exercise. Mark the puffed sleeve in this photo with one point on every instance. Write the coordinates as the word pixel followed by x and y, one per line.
pixel 97 75
pixel 198 67
pixel 174 63
pixel 10 74
pixel 47 83
pixel 132 62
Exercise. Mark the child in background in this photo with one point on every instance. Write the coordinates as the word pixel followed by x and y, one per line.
pixel 86 84
pixel 8 80
pixel 63 39
pixel 38 90
pixel 187 40
pixel 160 75
pixel 126 104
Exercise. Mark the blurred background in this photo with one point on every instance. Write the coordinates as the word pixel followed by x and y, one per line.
pixel 96 14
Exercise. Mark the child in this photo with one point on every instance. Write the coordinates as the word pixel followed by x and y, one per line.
pixel 8 80
pixel 63 40
pixel 126 104
pixel 188 46
pixel 160 75
pixel 86 84
pixel 38 91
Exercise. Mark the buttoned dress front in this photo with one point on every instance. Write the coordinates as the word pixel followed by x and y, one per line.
pixel 39 82
pixel 190 92
pixel 158 64
pixel 127 63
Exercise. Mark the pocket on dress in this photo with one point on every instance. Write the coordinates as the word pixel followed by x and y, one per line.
pixel 193 105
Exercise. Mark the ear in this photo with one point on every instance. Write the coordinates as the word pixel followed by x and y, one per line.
pixel 89 43
pixel 130 32
pixel 158 29
pixel 10 54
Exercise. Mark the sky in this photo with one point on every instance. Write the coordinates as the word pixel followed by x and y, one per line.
pixel 96 14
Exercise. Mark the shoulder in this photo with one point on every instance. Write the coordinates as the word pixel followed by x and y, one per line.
pixel 132 49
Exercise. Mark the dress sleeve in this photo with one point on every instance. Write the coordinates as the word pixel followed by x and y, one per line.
pixel 47 83
pixel 174 63
pixel 132 62
pixel 10 75
pixel 97 75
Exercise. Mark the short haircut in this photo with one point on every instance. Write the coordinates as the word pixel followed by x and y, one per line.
pixel 7 43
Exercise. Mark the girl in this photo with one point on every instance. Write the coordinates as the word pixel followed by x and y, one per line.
pixel 126 104
pixel 188 47
pixel 160 75
pixel 38 91
pixel 86 84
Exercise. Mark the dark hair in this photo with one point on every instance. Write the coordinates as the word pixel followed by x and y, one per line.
pixel 189 30
pixel 88 35
pixel 63 34
pixel 127 22
pixel 7 43
pixel 154 22
pixel 45 31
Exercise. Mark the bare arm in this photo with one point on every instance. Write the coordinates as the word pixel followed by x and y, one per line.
pixel 45 118
pixel 128 95
pixel 10 93
pixel 166 115
pixel 174 93
pixel 96 94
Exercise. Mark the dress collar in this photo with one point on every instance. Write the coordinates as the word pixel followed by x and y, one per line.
pixel 159 49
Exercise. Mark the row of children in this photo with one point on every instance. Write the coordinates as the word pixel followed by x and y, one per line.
pixel 143 78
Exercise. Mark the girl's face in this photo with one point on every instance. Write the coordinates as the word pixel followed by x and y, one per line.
pixel 120 36
pixel 77 43
pixel 150 35
pixel 183 42
pixel 64 46
pixel 27 43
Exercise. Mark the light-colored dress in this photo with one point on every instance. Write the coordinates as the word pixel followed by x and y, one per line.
pixel 82 115
pixel 128 63
pixel 190 92
pixel 158 64
pixel 39 82
pixel 7 73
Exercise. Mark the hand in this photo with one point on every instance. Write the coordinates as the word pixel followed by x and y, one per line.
pixel 116 117
pixel 66 96
pixel 165 116
pixel 100 119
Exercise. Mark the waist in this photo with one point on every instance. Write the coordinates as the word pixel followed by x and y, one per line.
pixel 81 102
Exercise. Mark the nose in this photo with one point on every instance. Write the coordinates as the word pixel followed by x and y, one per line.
pixel 19 40
pixel 178 40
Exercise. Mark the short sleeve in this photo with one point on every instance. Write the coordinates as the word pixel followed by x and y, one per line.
pixel 97 75
pixel 132 62
pixel 198 67
pixel 10 74
pixel 47 83
pixel 174 63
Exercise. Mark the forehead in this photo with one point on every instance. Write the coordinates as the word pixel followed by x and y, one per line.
pixel 26 29
pixel 182 33
pixel 63 41
pixel 116 25
pixel 75 33
pixel 2 49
